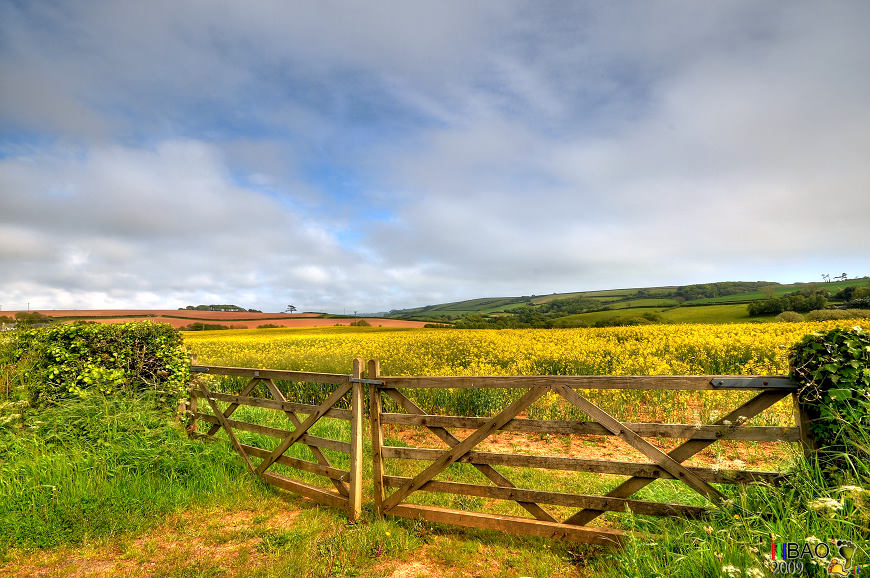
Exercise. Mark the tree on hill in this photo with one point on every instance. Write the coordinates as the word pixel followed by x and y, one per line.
pixel 800 301
pixel 290 309
pixel 215 308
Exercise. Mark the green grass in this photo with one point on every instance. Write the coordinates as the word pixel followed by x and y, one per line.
pixel 593 316
pixel 541 299
pixel 98 466
pixel 711 314
pixel 644 303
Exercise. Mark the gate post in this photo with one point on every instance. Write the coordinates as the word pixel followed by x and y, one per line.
pixel 354 504
pixel 193 401
pixel 802 420
pixel 375 407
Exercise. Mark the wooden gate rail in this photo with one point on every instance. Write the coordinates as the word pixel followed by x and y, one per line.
pixel 663 465
pixel 347 483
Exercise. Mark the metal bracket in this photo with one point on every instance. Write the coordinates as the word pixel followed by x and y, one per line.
pixel 774 382
pixel 198 369
pixel 366 381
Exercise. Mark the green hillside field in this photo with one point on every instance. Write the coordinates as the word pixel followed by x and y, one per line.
pixel 721 302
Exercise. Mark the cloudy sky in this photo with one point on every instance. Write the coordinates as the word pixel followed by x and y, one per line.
pixel 364 156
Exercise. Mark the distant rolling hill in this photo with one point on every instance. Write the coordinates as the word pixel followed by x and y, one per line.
pixel 720 302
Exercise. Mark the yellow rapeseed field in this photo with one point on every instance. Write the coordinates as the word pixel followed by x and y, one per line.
pixel 743 348
pixel 748 348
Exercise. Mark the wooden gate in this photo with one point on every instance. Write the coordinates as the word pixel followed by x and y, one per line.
pixel 662 464
pixel 547 512
pixel 346 492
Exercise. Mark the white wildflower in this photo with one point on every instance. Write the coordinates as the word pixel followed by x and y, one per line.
pixel 852 491
pixel 726 422
pixel 825 504
pixel 812 540
pixel 732 571
pixel 755 573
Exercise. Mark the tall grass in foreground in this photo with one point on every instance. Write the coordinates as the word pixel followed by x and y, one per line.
pixel 736 539
pixel 93 467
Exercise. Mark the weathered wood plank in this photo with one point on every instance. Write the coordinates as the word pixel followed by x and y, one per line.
pixel 566 427
pixel 306 425
pixel 193 408
pixel 556 498
pixel 602 536
pixel 684 451
pixel 694 382
pixel 635 469
pixel 487 470
pixel 663 460
pixel 321 458
pixel 377 433
pixel 316 493
pixel 265 403
pixel 307 439
pixel 354 504
pixel 330 472
pixel 802 419
pixel 281 374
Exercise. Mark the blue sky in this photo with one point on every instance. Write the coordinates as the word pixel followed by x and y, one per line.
pixel 346 156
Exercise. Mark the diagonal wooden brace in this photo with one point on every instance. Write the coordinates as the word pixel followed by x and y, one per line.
pixel 684 451
pixel 661 459
pixel 451 440
pixel 465 446
pixel 316 451
pixel 227 428
pixel 304 427
pixel 234 406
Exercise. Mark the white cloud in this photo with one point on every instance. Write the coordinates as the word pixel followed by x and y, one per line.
pixel 378 155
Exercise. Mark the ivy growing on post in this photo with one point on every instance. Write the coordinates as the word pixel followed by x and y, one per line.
pixel 834 370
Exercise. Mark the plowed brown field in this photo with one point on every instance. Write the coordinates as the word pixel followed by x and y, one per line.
pixel 236 319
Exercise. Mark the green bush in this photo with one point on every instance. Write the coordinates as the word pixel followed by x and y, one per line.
pixel 790 317
pixel 65 361
pixel 834 370
pixel 200 326
pixel 834 314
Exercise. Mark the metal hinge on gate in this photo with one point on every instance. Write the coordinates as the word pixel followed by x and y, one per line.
pixel 777 382
pixel 366 381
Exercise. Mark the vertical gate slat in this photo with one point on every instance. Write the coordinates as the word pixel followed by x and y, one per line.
pixel 354 506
